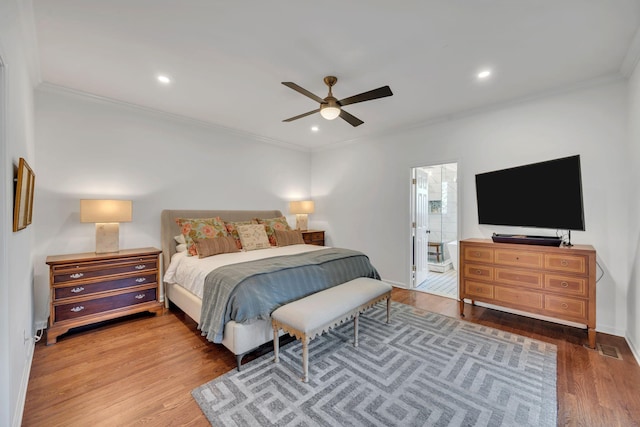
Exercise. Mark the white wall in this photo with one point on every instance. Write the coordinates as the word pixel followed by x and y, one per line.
pixel 362 189
pixel 633 247
pixel 16 261
pixel 91 148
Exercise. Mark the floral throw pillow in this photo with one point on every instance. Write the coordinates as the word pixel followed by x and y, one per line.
pixel 232 229
pixel 253 236
pixel 272 224
pixel 200 228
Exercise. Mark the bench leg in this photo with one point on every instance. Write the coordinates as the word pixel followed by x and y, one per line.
pixel 355 329
pixel 388 309
pixel 305 359
pixel 276 345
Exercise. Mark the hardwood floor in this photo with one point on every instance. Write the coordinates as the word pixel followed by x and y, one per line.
pixel 141 371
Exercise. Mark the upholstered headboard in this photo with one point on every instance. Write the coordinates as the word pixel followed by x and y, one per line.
pixel 169 228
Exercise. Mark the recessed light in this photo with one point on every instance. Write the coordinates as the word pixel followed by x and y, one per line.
pixel 164 79
pixel 484 74
pixel 315 128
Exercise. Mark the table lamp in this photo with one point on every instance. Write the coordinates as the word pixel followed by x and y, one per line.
pixel 301 209
pixel 107 214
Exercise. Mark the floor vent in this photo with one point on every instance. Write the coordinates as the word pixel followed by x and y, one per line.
pixel 609 351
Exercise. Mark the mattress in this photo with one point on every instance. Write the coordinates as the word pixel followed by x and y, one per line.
pixel 190 272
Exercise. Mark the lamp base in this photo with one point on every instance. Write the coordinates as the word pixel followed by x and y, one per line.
pixel 107 237
pixel 302 221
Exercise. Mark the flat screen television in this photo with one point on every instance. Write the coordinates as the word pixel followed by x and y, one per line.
pixel 541 195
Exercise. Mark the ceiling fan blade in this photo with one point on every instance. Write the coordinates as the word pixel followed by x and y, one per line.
pixel 350 118
pixel 381 92
pixel 308 113
pixel 303 91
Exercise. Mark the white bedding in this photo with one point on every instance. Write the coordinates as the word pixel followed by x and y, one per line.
pixel 190 271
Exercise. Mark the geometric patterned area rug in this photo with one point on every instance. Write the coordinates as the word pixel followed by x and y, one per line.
pixel 422 369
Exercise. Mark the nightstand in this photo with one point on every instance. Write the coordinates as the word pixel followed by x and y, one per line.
pixel 87 288
pixel 313 237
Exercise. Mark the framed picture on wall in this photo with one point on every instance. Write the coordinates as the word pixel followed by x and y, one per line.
pixel 23 203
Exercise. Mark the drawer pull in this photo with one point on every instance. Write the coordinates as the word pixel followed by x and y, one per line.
pixel 141 279
pixel 77 309
pixel 477 254
pixel 139 296
pixel 564 284
pixel 564 305
pixel 564 263
pixel 140 266
pixel 76 275
pixel 78 289
pixel 478 289
pixel 478 271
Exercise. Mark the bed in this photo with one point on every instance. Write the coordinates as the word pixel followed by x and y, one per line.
pixel 240 337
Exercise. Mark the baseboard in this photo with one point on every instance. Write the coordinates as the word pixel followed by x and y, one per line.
pixel 396 284
pixel 24 384
pixel 634 349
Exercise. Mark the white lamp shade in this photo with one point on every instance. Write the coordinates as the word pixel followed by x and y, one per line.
pixel 301 207
pixel 103 211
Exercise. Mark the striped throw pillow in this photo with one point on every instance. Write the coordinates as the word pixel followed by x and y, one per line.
pixel 215 246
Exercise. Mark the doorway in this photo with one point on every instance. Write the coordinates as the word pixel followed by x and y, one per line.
pixel 434 229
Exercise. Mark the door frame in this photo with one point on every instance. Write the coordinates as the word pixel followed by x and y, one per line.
pixel 412 208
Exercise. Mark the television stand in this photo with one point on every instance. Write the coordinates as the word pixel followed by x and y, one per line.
pixel 526 240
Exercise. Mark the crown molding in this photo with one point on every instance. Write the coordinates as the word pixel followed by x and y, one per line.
pixel 164 115
pixel 476 111
pixel 632 57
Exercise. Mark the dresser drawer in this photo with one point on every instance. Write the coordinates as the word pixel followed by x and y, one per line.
pixel 313 237
pixel 566 284
pixel 518 258
pixel 476 289
pixel 476 271
pixel 527 278
pixel 100 305
pixel 566 307
pixel 567 263
pixel 478 254
pixel 60 293
pixel 88 270
pixel 518 297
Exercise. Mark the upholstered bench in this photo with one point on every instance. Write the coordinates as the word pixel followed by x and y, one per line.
pixel 309 317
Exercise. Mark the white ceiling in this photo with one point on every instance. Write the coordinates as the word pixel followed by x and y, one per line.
pixel 228 58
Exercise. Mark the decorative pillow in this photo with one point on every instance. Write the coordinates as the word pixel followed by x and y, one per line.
pixel 272 224
pixel 215 246
pixel 181 244
pixel 289 237
pixel 232 229
pixel 200 228
pixel 253 236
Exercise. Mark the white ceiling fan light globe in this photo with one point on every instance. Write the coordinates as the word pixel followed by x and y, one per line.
pixel 330 112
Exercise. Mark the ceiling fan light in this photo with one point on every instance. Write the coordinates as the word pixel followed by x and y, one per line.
pixel 329 112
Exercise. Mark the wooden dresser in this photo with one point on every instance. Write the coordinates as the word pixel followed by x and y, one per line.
pixel 313 237
pixel 556 282
pixel 88 287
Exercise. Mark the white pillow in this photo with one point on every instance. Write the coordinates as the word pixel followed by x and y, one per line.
pixel 181 243
pixel 253 236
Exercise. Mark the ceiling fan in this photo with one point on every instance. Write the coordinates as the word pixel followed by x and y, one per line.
pixel 330 107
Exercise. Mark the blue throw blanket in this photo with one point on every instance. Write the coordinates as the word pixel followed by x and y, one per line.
pixel 254 289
